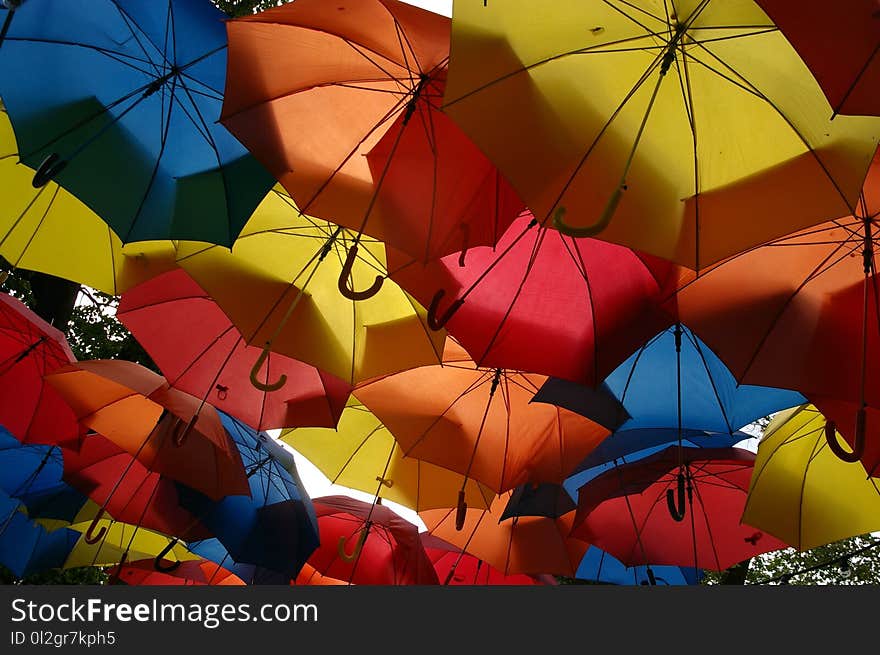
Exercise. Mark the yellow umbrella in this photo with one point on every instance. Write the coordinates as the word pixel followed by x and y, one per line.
pixel 801 492
pixel 122 541
pixel 280 287
pixel 657 125
pixel 362 454
pixel 51 231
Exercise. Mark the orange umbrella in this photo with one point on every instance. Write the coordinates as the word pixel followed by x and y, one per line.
pixel 167 430
pixel 480 422
pixel 341 102
pixel 801 312
pixel 532 545
pixel 309 575
pixel 193 573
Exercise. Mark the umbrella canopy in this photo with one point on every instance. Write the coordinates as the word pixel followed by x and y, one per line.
pixel 122 542
pixel 352 97
pixel 455 567
pixel 529 545
pixel 812 300
pixel 279 286
pixel 201 352
pixel 511 306
pixel 362 454
pixel 310 576
pixel 167 430
pixel 550 500
pixel 368 544
pixel 51 231
pixel 274 526
pixel 32 474
pixel 602 568
pixel 623 511
pixel 93 88
pixel 27 547
pixel 801 493
pixel 480 422
pixel 655 128
pixel 839 43
pixel 30 348
pixel 193 573
pixel 648 387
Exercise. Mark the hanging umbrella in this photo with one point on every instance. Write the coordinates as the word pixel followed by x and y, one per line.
pixel 25 546
pixel 362 454
pixel 801 493
pixel 839 42
pixel 624 510
pixel 310 576
pixel 32 474
pixel 95 88
pixel 455 567
pixel 50 231
pixel 352 95
pixel 168 431
pixel 251 574
pixel 549 500
pixel 279 286
pixel 513 305
pixel 29 348
pixel 602 568
pixel 653 126
pixel 368 544
pixel 192 573
pixel 812 303
pixel 274 526
pixel 201 352
pixel 120 543
pixel 480 423
pixel 522 545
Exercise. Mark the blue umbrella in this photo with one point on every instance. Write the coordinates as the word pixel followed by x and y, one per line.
pixel 31 473
pixel 548 500
pixel 275 527
pixel 252 574
pixel 27 547
pixel 599 566
pixel 118 101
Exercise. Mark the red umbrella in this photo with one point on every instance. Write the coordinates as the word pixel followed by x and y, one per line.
pixel 839 41
pixel 192 573
pixel 30 348
pixel 368 545
pixel 457 567
pixel 543 302
pixel 201 352
pixel 128 490
pixel 626 510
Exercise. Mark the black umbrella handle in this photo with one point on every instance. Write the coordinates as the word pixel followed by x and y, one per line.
pixel 676 511
pixel 345 274
pixel 158 563
pixel 48 169
pixel 858 443
pixel 91 537
pixel 433 321
pixel 460 511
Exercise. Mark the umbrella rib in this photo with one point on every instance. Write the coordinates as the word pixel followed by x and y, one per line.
pixel 204 352
pixel 120 57
pixel 699 349
pixel 36 229
pixel 130 23
pixel 857 79
pixel 709 531
pixel 633 19
pixel 644 11
pixel 357 449
pixel 592 304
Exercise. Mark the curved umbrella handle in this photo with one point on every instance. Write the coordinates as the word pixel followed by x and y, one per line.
pixel 858 444
pixel 49 168
pixel 597 227
pixel 180 436
pixel 465 238
pixel 676 511
pixel 271 386
pixel 460 511
pixel 359 546
pixel 90 536
pixel 439 323
pixel 345 274
pixel 157 563
pixel 118 572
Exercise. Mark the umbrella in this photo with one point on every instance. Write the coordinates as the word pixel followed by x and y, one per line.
pixel 623 511
pixel 529 545
pixel 654 126
pixel 455 567
pixel 310 576
pixel 94 88
pixel 362 454
pixel 274 526
pixel 25 546
pixel 839 42
pixel 279 286
pixel 29 348
pixel 193 573
pixel 251 574
pixel 50 231
pixel 352 95
pixel 201 352
pixel 801 493
pixel 480 423
pixel 512 305
pixel 812 303
pixel 368 544
pixel 166 430
pixel 121 542
pixel 550 500
pixel 602 568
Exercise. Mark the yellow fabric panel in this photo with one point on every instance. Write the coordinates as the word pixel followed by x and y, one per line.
pixel 801 492
pixel 140 543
